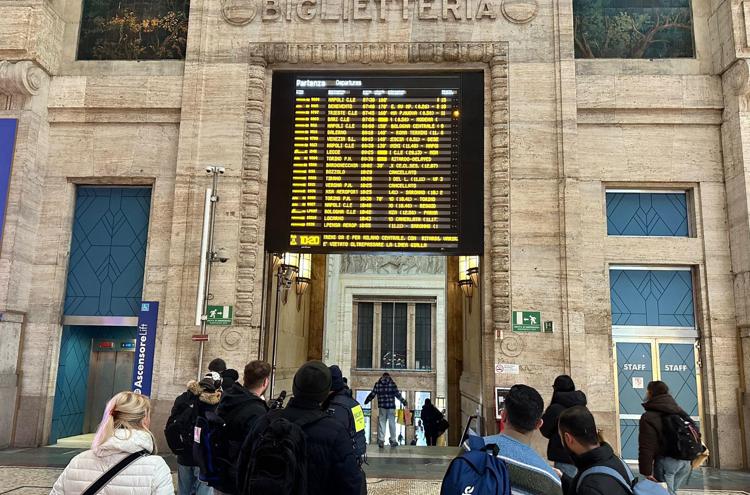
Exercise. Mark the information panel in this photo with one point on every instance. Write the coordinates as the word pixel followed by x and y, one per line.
pixel 376 163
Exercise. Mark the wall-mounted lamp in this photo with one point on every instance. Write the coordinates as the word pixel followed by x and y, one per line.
pixel 302 281
pixel 288 269
pixel 468 275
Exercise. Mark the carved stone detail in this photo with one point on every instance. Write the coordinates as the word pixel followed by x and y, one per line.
pixel 377 53
pixel 495 54
pixel 22 78
pixel 239 12
pixel 520 11
pixel 248 254
pixel 392 265
pixel 512 346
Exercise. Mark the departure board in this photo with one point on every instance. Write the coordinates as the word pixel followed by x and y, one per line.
pixel 372 162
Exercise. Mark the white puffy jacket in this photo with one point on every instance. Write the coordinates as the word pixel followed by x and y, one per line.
pixel 148 475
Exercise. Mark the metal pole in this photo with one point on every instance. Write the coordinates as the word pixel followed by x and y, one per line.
pixel 279 280
pixel 209 220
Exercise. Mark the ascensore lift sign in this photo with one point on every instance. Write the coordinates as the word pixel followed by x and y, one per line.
pixel 145 344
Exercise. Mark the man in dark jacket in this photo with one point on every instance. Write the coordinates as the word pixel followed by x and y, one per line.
pixel 240 408
pixel 654 462
pixel 564 396
pixel 332 467
pixel 349 413
pixel 195 401
pixel 386 391
pixel 431 420
pixel 578 434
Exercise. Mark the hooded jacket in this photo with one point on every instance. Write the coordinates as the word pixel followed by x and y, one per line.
pixel 200 401
pixel 147 475
pixel 596 484
pixel 560 402
pixel 651 443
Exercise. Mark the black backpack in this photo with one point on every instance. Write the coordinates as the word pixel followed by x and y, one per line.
pixel 277 460
pixel 682 438
pixel 211 448
pixel 179 429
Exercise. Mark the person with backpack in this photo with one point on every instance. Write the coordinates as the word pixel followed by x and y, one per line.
pixel 431 418
pixel 668 439
pixel 386 391
pixel 564 396
pixel 521 417
pixel 240 408
pixel 122 457
pixel 347 411
pixel 300 449
pixel 195 401
pixel 599 470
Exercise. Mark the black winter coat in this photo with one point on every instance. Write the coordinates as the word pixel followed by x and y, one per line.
pixel 560 402
pixel 596 484
pixel 332 467
pixel 240 409
pixel 201 401
pixel 430 420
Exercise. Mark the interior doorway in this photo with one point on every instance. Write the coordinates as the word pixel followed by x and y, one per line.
pixel 413 316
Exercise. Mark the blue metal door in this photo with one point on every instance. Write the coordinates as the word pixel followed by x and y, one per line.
pixel 634 371
pixel 677 368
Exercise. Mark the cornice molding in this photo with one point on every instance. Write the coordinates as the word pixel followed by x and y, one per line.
pixel 378 53
pixel 23 78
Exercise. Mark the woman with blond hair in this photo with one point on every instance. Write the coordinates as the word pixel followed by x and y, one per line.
pixel 120 460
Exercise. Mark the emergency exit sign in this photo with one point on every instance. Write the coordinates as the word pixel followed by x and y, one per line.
pixel 219 315
pixel 527 321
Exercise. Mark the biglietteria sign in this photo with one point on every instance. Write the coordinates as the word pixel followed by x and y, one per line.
pixel 241 12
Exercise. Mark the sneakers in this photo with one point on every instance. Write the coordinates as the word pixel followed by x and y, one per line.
pixel 394 445
pixel 381 445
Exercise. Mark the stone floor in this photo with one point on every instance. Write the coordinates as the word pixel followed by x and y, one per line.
pixel 407 470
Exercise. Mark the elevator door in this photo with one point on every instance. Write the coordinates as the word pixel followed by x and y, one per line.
pixel 110 372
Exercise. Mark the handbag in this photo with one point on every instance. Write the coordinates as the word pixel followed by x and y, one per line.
pixel 408 417
pixel 113 471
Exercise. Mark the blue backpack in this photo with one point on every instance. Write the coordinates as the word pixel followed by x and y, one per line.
pixel 633 486
pixel 477 472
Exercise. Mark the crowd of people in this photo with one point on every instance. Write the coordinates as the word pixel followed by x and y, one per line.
pixel 231 439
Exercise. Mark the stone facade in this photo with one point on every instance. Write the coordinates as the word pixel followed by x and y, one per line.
pixel 558 131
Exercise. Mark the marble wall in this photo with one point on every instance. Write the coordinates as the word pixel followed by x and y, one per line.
pixel 557 132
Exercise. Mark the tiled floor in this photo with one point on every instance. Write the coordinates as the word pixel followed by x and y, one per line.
pixel 407 470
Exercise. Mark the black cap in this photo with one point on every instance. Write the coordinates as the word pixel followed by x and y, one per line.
pixel 337 378
pixel 312 381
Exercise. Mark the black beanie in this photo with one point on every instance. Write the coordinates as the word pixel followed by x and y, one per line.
pixel 312 381
pixel 337 379
pixel 563 383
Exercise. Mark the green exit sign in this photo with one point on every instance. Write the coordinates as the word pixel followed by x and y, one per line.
pixel 219 315
pixel 527 321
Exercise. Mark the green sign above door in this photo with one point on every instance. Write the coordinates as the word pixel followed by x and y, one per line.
pixel 219 315
pixel 527 321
